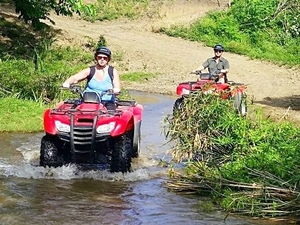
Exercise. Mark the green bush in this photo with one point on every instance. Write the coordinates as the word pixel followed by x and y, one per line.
pixel 248 164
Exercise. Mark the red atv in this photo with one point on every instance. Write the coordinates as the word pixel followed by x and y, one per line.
pixel 208 83
pixel 83 131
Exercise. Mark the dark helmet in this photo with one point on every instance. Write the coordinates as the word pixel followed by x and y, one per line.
pixel 103 50
pixel 218 47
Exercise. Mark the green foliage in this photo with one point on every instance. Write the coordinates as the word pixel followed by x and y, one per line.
pixel 209 128
pixel 249 165
pixel 218 25
pixel 260 29
pixel 36 10
pixel 206 125
pixel 269 149
pixel 253 15
pixel 21 77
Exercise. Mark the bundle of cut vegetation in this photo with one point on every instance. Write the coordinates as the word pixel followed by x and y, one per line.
pixel 249 165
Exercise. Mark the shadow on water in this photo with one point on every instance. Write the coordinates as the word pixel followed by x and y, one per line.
pixel 30 194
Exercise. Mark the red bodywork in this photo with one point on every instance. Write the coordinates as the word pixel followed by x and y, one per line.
pixel 124 117
pixel 226 90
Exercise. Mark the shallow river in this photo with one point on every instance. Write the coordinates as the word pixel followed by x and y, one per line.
pixel 30 194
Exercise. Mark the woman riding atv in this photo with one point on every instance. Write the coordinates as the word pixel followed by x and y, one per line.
pixel 100 78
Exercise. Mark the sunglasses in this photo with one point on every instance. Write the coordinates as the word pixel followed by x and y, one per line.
pixel 102 57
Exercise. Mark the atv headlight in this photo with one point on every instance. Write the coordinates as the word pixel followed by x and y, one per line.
pixel 106 128
pixel 62 127
pixel 185 91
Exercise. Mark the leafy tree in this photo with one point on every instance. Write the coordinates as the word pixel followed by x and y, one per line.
pixel 35 10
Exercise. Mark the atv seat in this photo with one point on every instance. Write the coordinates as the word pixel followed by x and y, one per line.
pixel 90 97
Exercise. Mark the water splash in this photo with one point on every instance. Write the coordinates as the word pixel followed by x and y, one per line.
pixel 69 172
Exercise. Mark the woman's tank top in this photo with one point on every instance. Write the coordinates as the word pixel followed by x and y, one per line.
pixel 99 86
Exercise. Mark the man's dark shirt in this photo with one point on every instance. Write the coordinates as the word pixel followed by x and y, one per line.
pixel 214 67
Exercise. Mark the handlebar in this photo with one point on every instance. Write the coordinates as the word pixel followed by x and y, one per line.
pixel 197 72
pixel 75 88
pixel 206 76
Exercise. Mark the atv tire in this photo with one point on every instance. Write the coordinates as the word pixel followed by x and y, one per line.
pixel 177 105
pixel 240 104
pixel 136 140
pixel 122 147
pixel 49 154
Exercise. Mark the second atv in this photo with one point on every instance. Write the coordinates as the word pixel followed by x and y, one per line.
pixel 207 83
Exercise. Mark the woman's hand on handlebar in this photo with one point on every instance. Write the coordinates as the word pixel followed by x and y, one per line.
pixel 116 91
pixel 66 85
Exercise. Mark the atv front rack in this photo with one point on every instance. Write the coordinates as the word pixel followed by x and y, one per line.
pixel 82 112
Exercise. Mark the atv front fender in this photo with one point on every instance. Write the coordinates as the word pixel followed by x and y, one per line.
pixel 137 113
pixel 49 126
pixel 124 123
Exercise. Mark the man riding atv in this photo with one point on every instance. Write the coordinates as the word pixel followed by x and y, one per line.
pixel 217 64
pixel 215 81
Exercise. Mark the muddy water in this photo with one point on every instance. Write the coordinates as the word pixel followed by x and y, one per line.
pixel 30 194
